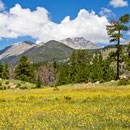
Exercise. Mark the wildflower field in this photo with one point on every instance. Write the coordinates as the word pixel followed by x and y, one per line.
pixel 75 107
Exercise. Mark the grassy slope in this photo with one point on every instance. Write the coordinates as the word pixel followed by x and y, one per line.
pixel 73 107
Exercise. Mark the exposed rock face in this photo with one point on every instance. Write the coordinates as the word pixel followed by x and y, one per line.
pixel 16 49
pixel 50 51
pixel 79 43
pixel 20 48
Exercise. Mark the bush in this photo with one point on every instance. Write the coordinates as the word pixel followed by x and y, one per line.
pixel 7 82
pixel 102 81
pixel 18 85
pixel 38 84
pixel 124 81
pixel 56 88
pixel 0 84
pixel 2 100
pixel 67 98
pixel 23 82
pixel 23 87
pixel 2 87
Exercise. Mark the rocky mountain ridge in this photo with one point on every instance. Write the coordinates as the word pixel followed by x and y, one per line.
pixel 79 43
pixel 21 47
pixel 51 51
pixel 16 49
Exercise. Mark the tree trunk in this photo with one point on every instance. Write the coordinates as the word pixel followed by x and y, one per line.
pixel 118 59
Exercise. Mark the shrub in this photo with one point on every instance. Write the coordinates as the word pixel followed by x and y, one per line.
pixel 23 82
pixel 67 98
pixel 7 82
pixel 2 100
pixel 38 84
pixel 102 81
pixel 2 87
pixel 18 85
pixel 0 84
pixel 56 88
pixel 23 87
pixel 124 81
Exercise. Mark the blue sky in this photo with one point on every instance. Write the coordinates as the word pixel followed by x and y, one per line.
pixel 57 19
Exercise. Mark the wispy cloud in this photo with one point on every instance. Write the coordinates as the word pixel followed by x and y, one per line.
pixel 106 12
pixel 2 6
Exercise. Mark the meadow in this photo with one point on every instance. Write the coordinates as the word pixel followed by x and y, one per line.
pixel 72 107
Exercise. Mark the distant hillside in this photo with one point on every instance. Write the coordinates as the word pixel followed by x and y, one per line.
pixel 50 51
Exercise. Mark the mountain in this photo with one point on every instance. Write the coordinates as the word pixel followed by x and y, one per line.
pixel 50 51
pixel 15 49
pixel 79 43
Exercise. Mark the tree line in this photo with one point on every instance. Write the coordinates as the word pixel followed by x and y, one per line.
pixel 82 66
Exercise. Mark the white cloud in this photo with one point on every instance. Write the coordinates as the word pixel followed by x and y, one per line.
pixel 106 12
pixel 2 7
pixel 118 3
pixel 66 20
pixel 20 22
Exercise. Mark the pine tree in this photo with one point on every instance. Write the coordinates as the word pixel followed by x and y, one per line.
pixel 115 30
pixel 73 66
pixel 24 70
pixel 127 58
pixel 79 66
pixel 108 72
pixel 63 75
pixel 38 82
pixel 5 71
pixel 1 70
pixel 96 73
pixel 101 69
